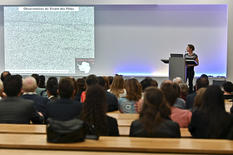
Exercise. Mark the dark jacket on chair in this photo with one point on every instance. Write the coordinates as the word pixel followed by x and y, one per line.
pixel 63 109
pixel 167 129
pixel 16 110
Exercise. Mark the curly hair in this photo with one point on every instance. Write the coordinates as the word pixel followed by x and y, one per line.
pixel 94 110
pixel 154 110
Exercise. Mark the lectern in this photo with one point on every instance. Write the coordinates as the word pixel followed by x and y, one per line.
pixel 177 66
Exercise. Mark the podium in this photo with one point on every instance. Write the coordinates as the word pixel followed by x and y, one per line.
pixel 177 66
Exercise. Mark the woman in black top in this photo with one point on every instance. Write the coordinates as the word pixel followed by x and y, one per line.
pixel 211 120
pixel 94 113
pixel 154 118
pixel 190 68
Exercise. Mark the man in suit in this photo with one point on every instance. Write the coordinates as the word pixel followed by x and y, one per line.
pixel 29 92
pixel 65 108
pixel 15 109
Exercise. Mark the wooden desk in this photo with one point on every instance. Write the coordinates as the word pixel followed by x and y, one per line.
pixel 60 152
pixel 41 129
pixel 121 144
pixel 120 116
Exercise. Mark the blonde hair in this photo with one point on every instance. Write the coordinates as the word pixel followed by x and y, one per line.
pixel 198 100
pixel 117 86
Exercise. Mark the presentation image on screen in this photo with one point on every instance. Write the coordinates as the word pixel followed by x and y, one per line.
pixel 57 40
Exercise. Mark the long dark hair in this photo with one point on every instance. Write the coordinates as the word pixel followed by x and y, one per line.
pixel 154 110
pixel 94 110
pixel 214 108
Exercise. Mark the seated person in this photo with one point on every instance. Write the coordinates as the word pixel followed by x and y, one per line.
pixel 94 113
pixel 65 108
pixel 134 93
pixel 154 118
pixel 52 88
pixel 182 117
pixel 180 103
pixel 112 102
pixel 211 120
pixel 117 87
pixel 29 92
pixel 228 90
pixel 14 109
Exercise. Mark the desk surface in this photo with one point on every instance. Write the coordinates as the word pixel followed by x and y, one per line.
pixel 123 144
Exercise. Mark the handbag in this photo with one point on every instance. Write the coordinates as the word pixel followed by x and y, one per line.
pixel 65 131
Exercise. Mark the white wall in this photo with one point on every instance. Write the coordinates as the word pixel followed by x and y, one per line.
pixel 136 2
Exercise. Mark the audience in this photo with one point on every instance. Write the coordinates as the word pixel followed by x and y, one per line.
pixel 1 89
pixel 117 87
pixel 90 81
pixel 228 90
pixel 211 120
pixel 29 92
pixel 4 75
pixel 180 103
pixel 14 109
pixel 94 113
pixel 184 91
pixel 182 117
pixel 65 108
pixel 52 88
pixel 148 82
pixel 198 100
pixel 112 102
pixel 134 93
pixel 201 82
pixel 81 87
pixel 177 80
pixel 154 118
pixel 41 83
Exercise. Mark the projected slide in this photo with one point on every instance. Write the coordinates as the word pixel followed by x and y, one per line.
pixel 57 40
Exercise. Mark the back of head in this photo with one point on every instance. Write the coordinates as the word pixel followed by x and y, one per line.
pixel 110 79
pixel 81 85
pixel 12 85
pixel 29 84
pixel 91 80
pixel 169 92
pixel 228 87
pixel 198 100
pixel 177 80
pixel 41 81
pixel 4 75
pixel 52 86
pixel 66 88
pixel 202 82
pixel 184 90
pixel 117 83
pixel 148 82
pixel 154 109
pixel 37 77
pixel 94 110
pixel 133 89
pixel 101 81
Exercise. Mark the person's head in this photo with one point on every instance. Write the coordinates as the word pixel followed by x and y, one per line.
pixel 165 82
pixel 1 88
pixel 169 92
pixel 133 89
pixel 95 107
pixel 154 109
pixel 177 80
pixel 80 85
pixel 91 80
pixel 202 82
pixel 107 86
pixel 184 90
pixel 12 86
pixel 66 88
pixel 4 75
pixel 117 85
pixel 101 81
pixel 228 87
pixel 52 86
pixel 198 100
pixel 29 84
pixel 110 79
pixel 148 82
pixel 190 48
pixel 37 77
pixel 177 88
pixel 41 81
